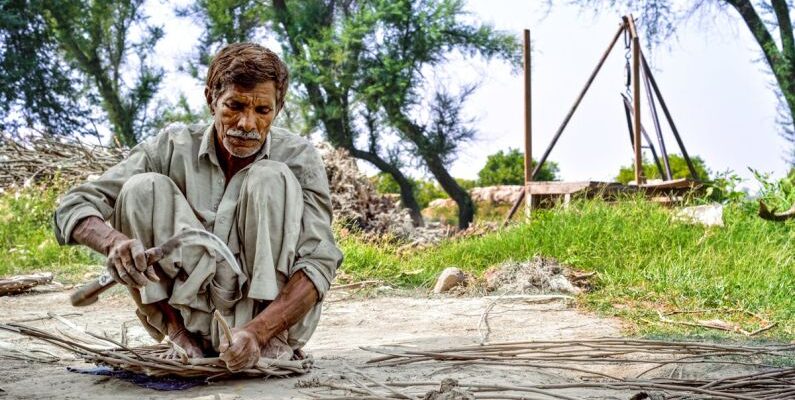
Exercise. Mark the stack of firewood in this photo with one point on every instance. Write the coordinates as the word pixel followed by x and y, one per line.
pixel 39 159
pixel 355 202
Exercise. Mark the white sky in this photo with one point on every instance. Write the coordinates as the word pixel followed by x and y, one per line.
pixel 720 98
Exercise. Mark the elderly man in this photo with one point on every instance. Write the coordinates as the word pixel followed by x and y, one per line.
pixel 260 189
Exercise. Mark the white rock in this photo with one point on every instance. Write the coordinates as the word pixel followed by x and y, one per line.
pixel 707 215
pixel 448 279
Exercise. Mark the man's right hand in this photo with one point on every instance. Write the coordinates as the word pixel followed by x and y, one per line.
pixel 128 261
pixel 128 264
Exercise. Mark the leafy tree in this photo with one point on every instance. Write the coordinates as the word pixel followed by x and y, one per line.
pixel 413 36
pixel 90 40
pixel 36 83
pixel 678 169
pixel 507 168
pixel 357 66
pixel 770 23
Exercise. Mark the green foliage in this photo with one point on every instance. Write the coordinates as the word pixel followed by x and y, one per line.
pixel 778 194
pixel 678 169
pixel 746 265
pixel 86 51
pixel 27 240
pixel 507 168
pixel 37 89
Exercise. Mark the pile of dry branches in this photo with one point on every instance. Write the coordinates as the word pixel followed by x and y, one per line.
pixel 40 159
pixel 354 198
pixel 152 360
pixel 355 201
pixel 766 383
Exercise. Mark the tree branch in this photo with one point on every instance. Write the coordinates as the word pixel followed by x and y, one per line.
pixel 778 64
pixel 781 8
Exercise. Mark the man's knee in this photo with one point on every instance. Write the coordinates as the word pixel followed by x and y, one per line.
pixel 144 186
pixel 266 176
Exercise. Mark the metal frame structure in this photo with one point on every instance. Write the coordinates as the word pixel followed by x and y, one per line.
pixel 637 73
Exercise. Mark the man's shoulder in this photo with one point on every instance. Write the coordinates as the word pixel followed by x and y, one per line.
pixel 175 136
pixel 287 144
pixel 179 132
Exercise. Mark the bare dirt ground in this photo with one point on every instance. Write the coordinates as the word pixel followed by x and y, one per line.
pixel 348 323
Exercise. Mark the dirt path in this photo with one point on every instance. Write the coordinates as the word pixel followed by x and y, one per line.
pixel 346 325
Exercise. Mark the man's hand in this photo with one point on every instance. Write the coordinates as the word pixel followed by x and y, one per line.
pixel 127 263
pixel 127 259
pixel 243 353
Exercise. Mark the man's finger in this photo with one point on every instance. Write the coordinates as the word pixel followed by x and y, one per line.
pixel 137 277
pixel 151 274
pixel 138 253
pixel 122 274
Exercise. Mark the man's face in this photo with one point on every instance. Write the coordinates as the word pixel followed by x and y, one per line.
pixel 243 117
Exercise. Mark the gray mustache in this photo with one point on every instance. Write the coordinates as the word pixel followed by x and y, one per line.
pixel 237 133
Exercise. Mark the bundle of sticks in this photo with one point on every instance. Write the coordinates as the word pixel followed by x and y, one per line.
pixel 769 380
pixel 38 159
pixel 152 360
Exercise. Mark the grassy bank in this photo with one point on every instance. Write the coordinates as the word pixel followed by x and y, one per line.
pixel 645 259
pixel 26 237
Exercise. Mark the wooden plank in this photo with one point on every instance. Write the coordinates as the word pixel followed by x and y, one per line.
pixel 562 188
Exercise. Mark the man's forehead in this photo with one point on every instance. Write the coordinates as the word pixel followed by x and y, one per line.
pixel 260 93
pixel 251 98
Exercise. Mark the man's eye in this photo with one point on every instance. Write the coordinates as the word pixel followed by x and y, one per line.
pixel 234 106
pixel 263 110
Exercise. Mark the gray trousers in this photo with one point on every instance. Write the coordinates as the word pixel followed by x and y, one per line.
pixel 264 234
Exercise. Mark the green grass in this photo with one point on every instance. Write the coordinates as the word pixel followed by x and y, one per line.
pixel 27 241
pixel 645 259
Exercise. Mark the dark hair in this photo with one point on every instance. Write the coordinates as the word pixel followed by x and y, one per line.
pixel 247 64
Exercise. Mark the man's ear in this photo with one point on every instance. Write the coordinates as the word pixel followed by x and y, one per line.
pixel 208 97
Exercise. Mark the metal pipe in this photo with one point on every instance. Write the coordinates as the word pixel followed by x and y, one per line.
pixel 655 118
pixel 670 120
pixel 528 118
pixel 636 99
pixel 628 111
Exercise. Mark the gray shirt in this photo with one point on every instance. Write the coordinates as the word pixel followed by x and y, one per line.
pixel 186 154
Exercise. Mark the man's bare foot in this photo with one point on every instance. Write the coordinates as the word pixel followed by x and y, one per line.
pixel 183 346
pixel 278 348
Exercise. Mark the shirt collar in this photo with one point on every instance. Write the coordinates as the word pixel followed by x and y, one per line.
pixel 207 147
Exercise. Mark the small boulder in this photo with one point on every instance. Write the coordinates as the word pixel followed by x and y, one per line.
pixel 448 279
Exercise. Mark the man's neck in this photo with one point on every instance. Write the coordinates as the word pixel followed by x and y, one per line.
pixel 229 163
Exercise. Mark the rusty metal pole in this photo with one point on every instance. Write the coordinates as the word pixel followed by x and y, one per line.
pixel 636 99
pixel 528 126
pixel 566 120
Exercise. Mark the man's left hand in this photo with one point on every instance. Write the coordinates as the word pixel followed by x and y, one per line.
pixel 243 353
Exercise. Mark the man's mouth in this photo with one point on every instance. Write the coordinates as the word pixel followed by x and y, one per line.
pixel 241 135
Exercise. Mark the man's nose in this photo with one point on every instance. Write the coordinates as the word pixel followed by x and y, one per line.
pixel 247 122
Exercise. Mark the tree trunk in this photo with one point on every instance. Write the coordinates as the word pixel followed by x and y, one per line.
pixel 407 197
pixel 466 208
pixel 781 61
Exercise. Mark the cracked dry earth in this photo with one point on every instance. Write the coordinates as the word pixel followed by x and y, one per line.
pixel 348 323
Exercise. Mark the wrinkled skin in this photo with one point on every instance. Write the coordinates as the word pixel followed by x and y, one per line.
pixel 242 121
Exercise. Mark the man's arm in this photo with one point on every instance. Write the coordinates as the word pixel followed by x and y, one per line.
pixel 310 276
pixel 291 305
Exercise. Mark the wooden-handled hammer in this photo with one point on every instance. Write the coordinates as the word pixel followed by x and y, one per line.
pixel 89 293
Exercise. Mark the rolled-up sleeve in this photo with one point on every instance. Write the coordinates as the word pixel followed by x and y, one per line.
pixel 318 255
pixel 98 197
